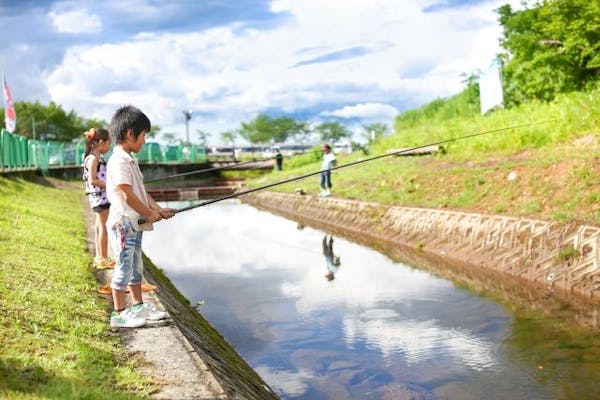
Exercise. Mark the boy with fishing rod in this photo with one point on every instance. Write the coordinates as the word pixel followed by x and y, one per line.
pixel 129 203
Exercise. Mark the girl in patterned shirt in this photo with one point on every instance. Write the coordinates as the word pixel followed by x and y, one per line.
pixel 97 143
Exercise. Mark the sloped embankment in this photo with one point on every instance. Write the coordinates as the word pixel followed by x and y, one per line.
pixel 547 266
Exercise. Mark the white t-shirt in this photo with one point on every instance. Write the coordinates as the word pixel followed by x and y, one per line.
pixel 328 161
pixel 122 168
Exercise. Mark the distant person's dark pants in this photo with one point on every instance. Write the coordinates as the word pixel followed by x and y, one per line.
pixel 326 180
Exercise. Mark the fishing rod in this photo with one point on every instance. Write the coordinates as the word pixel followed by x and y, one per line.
pixel 212 169
pixel 395 153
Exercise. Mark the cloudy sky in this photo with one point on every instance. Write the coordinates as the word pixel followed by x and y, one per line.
pixel 352 61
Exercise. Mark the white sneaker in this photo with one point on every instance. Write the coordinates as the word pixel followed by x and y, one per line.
pixel 149 312
pixel 126 319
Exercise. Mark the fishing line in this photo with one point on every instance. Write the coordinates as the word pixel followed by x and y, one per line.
pixel 297 178
pixel 212 169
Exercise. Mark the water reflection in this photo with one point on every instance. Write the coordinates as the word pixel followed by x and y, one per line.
pixel 378 330
pixel 331 260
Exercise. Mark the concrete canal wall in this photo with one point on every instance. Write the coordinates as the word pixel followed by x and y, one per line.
pixel 547 265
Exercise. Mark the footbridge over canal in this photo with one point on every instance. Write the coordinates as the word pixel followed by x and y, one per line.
pixel 179 172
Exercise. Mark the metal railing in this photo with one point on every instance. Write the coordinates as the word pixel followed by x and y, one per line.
pixel 19 153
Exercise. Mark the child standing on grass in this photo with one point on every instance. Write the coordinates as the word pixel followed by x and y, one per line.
pixel 129 203
pixel 97 143
pixel 329 161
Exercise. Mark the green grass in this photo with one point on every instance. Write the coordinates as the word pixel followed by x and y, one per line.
pixel 54 336
pixel 554 157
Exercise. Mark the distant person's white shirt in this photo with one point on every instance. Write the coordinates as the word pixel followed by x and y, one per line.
pixel 328 161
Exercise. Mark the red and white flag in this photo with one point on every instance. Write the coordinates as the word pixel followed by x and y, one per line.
pixel 10 117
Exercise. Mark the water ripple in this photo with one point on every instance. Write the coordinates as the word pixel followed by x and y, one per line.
pixel 417 341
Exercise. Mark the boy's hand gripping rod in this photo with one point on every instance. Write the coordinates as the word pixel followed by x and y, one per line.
pixel 297 178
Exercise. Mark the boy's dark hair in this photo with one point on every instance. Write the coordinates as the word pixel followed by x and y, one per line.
pixel 125 118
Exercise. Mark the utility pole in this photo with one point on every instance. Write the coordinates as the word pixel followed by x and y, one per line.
pixel 188 116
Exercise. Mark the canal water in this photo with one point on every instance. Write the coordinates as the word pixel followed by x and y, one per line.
pixel 319 317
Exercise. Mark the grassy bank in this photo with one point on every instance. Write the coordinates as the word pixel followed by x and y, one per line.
pixel 554 160
pixel 54 336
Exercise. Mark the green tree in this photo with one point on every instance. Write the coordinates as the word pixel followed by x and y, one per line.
pixel 229 138
pixel 169 137
pixel 264 129
pixel 202 137
pixel 373 132
pixel 286 127
pixel 154 131
pixel 50 122
pixel 549 48
pixel 259 130
pixel 332 132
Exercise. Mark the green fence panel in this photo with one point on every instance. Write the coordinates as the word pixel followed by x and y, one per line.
pixel 17 151
pixel 173 153
pixel 151 152
pixel 4 154
pixel 10 150
pixel 38 155
pixel 197 154
pixel 23 151
pixel 79 150
pixel 55 154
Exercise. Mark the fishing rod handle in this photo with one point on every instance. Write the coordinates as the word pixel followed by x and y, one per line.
pixel 143 220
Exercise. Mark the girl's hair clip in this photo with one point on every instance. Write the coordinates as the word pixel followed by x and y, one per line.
pixel 90 134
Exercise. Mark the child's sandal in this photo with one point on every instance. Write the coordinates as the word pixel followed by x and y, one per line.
pixel 104 263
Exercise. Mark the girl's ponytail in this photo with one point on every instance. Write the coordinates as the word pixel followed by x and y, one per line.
pixel 90 140
pixel 93 136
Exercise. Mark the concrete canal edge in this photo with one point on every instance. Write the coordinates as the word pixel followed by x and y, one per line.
pixel 547 266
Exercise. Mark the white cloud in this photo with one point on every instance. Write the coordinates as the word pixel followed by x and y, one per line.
pixel 367 111
pixel 76 21
pixel 418 341
pixel 291 383
pixel 366 58
pixel 278 6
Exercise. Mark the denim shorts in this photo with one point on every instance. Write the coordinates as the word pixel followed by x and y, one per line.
pixel 127 249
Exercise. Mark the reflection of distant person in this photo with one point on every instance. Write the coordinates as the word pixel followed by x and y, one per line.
pixel 329 161
pixel 332 261
pixel 279 160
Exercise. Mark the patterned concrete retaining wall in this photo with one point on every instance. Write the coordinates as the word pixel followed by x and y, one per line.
pixel 550 258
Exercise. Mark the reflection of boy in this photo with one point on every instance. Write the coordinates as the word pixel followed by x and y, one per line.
pixel 332 261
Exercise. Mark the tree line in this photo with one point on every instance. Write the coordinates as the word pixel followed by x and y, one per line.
pixel 52 122
pixel 549 47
